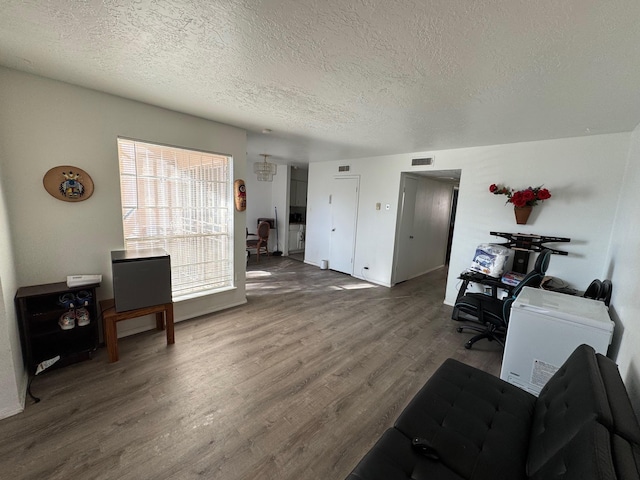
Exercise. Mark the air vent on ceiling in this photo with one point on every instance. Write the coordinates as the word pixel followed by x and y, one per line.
pixel 422 161
pixel 344 168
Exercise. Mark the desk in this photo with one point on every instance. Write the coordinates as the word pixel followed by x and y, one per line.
pixel 164 315
pixel 468 277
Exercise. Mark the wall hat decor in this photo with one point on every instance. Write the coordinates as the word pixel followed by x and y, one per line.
pixel 240 193
pixel 523 200
pixel 67 183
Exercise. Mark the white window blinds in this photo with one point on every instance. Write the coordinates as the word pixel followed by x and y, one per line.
pixel 179 200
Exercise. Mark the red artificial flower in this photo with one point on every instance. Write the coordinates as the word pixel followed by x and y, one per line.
pixel 528 195
pixel 518 199
pixel 543 194
pixel 521 198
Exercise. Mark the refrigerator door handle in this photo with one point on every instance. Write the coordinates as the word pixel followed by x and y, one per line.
pixel 534 309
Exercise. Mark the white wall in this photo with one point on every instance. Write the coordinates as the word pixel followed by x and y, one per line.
pixel 259 198
pixel 622 268
pixel 47 123
pixel 583 175
pixel 12 373
pixel 375 229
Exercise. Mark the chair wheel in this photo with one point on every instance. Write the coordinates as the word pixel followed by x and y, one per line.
pixel 468 345
pixel 459 329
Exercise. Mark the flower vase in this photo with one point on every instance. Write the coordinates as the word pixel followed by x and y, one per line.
pixel 522 214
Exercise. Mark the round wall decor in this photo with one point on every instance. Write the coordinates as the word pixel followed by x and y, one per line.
pixel 67 183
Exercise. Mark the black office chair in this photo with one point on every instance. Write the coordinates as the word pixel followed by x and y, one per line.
pixel 599 290
pixel 491 313
pixel 605 292
pixel 594 290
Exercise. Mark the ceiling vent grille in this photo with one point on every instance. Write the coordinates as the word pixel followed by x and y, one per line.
pixel 422 161
pixel 344 168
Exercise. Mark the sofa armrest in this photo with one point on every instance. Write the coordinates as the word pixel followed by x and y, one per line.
pixel 626 458
pixel 587 456
pixel 624 421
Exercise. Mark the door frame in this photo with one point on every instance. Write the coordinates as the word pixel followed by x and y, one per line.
pixel 442 174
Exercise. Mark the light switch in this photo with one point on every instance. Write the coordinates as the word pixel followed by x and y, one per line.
pixel 378 206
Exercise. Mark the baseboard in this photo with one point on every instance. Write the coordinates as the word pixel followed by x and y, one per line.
pixel 370 280
pixel 226 306
pixel 147 323
pixel 10 412
pixel 19 407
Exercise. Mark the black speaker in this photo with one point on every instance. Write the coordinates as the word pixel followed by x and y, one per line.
pixel 520 261
pixel 141 278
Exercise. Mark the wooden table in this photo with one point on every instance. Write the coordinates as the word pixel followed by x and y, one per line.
pixel 164 316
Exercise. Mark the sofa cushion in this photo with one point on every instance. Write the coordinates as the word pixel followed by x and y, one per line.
pixel 478 424
pixel 586 456
pixel 572 397
pixel 393 458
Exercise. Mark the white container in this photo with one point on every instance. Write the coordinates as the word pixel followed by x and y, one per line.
pixel 324 264
pixel 544 329
pixel 490 259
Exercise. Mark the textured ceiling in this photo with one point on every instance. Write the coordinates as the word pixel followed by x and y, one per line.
pixel 349 78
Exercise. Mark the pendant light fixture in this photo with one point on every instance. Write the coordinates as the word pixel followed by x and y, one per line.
pixel 265 170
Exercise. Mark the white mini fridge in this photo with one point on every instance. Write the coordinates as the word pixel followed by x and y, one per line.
pixel 544 329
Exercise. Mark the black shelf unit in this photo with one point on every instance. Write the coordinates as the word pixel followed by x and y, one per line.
pixel 38 308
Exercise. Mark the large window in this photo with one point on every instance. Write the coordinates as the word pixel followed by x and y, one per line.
pixel 180 200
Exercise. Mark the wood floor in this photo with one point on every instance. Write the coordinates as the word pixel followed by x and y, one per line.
pixel 296 384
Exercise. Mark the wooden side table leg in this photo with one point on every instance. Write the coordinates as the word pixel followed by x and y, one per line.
pixel 160 320
pixel 169 317
pixel 111 338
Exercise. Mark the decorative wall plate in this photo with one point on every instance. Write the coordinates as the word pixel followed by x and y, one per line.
pixel 67 183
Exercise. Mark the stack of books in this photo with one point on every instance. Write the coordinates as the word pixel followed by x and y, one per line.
pixel 512 278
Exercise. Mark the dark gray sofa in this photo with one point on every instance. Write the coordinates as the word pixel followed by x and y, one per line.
pixel 478 427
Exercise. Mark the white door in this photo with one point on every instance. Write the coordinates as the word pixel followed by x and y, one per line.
pixel 344 211
pixel 406 243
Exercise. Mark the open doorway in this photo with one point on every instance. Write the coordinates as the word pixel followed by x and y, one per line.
pixel 297 221
pixel 426 219
pixel 452 222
